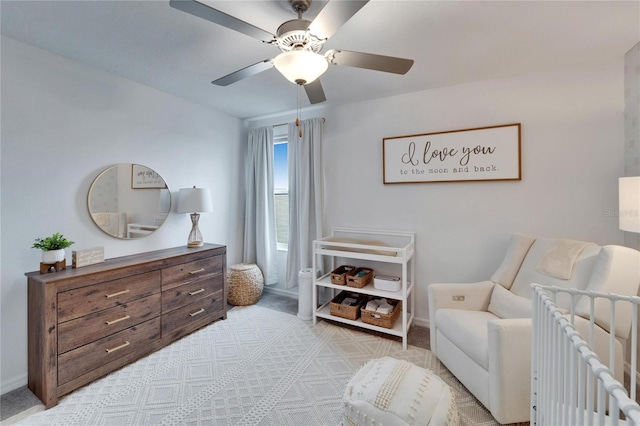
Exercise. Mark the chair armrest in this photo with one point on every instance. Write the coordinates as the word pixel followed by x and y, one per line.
pixel 510 368
pixel 471 296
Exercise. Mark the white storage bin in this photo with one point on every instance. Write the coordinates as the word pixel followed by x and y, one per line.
pixel 387 283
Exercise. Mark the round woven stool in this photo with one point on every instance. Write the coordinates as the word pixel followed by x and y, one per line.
pixel 245 284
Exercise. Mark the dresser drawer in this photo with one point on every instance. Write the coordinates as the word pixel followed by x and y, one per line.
pixel 190 292
pixel 86 329
pixel 89 357
pixel 85 300
pixel 196 313
pixel 187 272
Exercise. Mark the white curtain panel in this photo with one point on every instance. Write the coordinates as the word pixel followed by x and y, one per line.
pixel 305 195
pixel 260 245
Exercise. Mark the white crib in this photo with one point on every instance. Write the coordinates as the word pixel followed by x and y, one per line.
pixel 569 384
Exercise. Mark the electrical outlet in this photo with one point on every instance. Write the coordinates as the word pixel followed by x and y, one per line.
pixel 458 298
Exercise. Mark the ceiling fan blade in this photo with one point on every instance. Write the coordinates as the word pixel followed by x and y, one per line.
pixel 203 11
pixel 334 15
pixel 315 92
pixel 244 73
pixel 369 61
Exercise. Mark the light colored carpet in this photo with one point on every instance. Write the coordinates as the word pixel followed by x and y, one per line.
pixel 258 367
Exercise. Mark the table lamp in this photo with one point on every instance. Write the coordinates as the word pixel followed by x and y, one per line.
pixel 194 200
pixel 629 207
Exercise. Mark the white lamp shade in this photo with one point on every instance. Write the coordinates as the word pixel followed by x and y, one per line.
pixel 629 211
pixel 194 200
pixel 301 66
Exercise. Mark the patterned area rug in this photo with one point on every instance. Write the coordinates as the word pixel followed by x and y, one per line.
pixel 258 367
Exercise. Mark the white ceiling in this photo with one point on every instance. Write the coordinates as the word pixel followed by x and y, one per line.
pixel 452 42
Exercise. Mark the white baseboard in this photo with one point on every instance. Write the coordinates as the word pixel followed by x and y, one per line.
pixel 421 322
pixel 13 384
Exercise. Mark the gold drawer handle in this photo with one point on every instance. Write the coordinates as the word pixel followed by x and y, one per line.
pixel 193 293
pixel 124 345
pixel 196 271
pixel 126 317
pixel 197 313
pixel 117 294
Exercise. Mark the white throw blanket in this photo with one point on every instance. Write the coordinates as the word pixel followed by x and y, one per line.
pixel 559 259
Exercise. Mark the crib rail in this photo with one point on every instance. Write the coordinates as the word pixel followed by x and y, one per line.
pixel 569 383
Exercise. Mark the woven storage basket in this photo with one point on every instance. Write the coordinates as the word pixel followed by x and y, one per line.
pixel 339 275
pixel 245 284
pixel 353 280
pixel 347 311
pixel 383 320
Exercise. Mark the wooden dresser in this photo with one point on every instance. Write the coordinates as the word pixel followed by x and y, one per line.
pixel 87 322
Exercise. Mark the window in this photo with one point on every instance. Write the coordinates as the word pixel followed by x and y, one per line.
pixel 281 190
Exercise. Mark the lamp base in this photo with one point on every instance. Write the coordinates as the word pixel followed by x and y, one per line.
pixel 195 237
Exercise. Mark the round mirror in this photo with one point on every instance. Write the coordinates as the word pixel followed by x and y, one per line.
pixel 129 201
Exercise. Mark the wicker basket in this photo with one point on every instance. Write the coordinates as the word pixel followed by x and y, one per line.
pixel 383 320
pixel 359 277
pixel 339 275
pixel 245 284
pixel 351 312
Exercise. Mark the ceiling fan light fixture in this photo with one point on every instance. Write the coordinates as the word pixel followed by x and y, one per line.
pixel 300 66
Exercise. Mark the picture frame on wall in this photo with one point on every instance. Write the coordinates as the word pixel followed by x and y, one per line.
pixel 145 178
pixel 477 154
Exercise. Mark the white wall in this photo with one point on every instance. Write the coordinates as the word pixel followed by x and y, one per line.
pixel 572 125
pixel 632 125
pixel 572 155
pixel 632 139
pixel 62 124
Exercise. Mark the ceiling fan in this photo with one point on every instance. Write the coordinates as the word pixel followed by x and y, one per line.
pixel 300 42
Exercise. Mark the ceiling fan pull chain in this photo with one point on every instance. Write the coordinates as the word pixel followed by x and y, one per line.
pixel 299 112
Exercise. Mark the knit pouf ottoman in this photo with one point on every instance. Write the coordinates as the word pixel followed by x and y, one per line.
pixel 245 284
pixel 388 391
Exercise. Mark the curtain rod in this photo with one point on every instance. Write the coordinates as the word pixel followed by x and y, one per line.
pixel 284 124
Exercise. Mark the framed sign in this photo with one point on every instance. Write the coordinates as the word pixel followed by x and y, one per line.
pixel 480 154
pixel 87 257
pixel 143 177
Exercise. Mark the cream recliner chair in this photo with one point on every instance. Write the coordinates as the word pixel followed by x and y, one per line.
pixel 482 331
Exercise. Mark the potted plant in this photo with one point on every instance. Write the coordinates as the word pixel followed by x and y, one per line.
pixel 52 248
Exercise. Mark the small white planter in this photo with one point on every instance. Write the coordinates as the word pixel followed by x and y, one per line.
pixel 52 256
